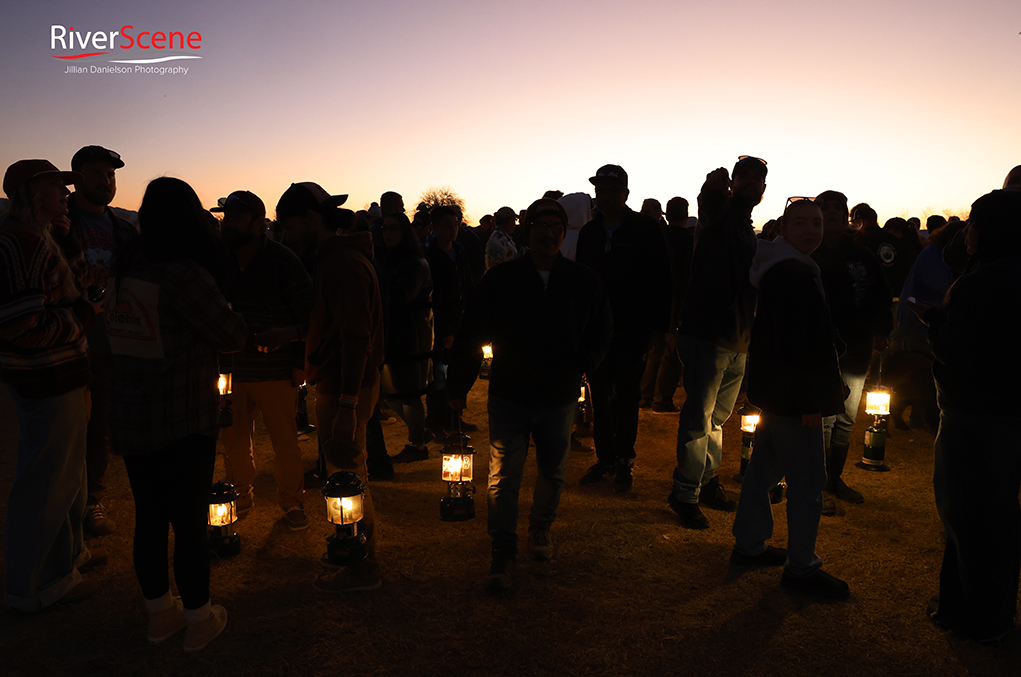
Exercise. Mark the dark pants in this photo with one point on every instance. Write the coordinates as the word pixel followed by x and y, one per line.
pixel 615 395
pixel 976 480
pixel 662 372
pixel 97 439
pixel 171 488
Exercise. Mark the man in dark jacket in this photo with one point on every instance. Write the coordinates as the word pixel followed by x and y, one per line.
pixel 628 252
pixel 343 348
pixel 794 379
pixel 452 285
pixel 101 234
pixel 549 322
pixel 712 339
pixel 265 282
pixel 859 303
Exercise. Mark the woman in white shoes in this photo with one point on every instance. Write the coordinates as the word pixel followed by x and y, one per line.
pixel 166 320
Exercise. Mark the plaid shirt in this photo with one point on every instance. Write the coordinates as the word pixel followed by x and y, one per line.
pixel 43 351
pixel 165 323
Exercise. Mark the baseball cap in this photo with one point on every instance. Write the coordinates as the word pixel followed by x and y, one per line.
pixel 95 154
pixel 545 207
pixel 241 200
pixel 306 195
pixel 610 174
pixel 23 171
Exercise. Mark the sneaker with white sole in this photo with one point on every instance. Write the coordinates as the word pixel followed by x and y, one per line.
pixel 165 624
pixel 201 633
pixel 540 544
pixel 96 522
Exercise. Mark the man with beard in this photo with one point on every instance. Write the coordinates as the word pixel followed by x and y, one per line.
pixel 101 234
pixel 266 283
pixel 713 335
pixel 344 348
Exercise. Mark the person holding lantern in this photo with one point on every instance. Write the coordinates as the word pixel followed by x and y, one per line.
pixel 343 349
pixel 793 377
pixel 166 319
pixel 548 320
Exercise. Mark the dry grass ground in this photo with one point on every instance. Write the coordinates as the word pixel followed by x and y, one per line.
pixel 630 592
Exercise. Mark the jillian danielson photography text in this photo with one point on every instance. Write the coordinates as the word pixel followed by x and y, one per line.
pixel 126 70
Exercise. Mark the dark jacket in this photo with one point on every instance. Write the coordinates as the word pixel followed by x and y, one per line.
pixel 272 291
pixel 635 271
pixel 452 285
pixel 407 368
pixel 858 298
pixel 972 341
pixel 543 338
pixel 345 334
pixel 720 301
pixel 792 363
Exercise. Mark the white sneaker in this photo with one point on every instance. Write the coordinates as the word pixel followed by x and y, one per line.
pixel 165 624
pixel 201 633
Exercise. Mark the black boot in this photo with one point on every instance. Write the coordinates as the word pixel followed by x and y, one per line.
pixel 834 469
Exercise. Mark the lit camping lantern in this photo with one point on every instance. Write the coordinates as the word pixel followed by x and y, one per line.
pixel 877 403
pixel 487 361
pixel 581 395
pixel 223 384
pixel 749 419
pixel 458 466
pixel 344 494
pixel 223 513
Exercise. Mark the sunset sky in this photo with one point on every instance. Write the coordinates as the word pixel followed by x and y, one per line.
pixel 909 109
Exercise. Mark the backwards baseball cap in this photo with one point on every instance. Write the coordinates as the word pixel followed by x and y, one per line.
pixel 23 171
pixel 545 206
pixel 748 164
pixel 306 195
pixel 95 154
pixel 608 174
pixel 242 201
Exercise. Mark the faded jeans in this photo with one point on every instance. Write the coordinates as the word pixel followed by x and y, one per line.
pixel 783 448
pixel 510 426
pixel 712 381
pixel 837 429
pixel 47 501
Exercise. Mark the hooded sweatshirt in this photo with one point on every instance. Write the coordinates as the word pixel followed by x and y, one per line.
pixel 579 212
pixel 344 346
pixel 792 363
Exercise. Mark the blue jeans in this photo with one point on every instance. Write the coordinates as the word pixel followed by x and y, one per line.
pixel 712 381
pixel 783 448
pixel 837 429
pixel 510 426
pixel 47 500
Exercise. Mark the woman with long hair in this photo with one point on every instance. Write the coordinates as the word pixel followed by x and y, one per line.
pixel 166 320
pixel 44 362
pixel 407 366
pixel 977 473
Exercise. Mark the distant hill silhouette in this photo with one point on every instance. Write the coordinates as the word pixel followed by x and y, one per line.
pixel 125 214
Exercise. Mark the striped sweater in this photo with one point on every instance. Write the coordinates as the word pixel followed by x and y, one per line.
pixel 43 350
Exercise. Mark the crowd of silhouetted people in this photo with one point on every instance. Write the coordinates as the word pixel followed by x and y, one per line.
pixel 113 335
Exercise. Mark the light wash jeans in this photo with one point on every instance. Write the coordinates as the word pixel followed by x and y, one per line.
pixel 510 426
pixel 47 501
pixel 783 448
pixel 712 381
pixel 837 429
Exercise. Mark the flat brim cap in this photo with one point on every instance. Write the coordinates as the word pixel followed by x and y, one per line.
pixel 609 174
pixel 23 171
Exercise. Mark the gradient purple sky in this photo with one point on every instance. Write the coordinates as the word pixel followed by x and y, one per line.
pixel 912 107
